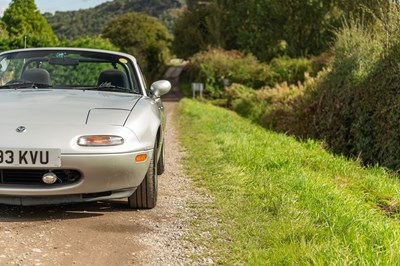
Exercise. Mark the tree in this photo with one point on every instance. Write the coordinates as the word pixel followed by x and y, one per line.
pixel 91 21
pixel 89 42
pixel 188 32
pixel 3 30
pixel 201 26
pixel 268 28
pixel 23 18
pixel 142 36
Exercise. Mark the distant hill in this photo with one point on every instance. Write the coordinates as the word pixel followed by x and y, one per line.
pixel 90 22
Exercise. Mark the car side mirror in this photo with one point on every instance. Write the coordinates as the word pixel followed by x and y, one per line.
pixel 161 87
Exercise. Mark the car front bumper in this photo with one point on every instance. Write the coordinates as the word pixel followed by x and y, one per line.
pixel 103 176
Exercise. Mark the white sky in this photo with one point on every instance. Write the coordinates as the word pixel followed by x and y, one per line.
pixel 57 5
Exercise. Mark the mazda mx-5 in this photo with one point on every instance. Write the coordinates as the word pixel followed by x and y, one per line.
pixel 78 125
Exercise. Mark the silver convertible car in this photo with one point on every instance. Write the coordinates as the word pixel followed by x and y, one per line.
pixel 78 125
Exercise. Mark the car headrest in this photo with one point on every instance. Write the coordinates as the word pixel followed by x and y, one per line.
pixel 37 75
pixel 114 76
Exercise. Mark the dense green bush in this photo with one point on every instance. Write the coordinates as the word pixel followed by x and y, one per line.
pixel 284 108
pixel 362 119
pixel 358 110
pixel 245 101
pixel 290 70
pixel 357 51
pixel 217 68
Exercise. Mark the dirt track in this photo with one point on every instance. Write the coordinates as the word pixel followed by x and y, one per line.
pixel 104 233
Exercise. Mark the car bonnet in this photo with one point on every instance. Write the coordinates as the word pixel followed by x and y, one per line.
pixel 47 106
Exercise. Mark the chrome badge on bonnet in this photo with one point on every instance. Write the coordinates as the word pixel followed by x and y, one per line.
pixel 21 129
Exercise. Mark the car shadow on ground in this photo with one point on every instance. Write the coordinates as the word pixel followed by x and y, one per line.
pixel 65 211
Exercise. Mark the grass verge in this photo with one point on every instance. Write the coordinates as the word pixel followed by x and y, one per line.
pixel 283 202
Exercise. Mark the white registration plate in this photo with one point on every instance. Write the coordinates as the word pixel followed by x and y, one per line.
pixel 30 157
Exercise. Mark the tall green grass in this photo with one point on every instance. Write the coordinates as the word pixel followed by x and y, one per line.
pixel 278 201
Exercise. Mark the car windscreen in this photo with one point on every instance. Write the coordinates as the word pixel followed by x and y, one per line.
pixel 65 69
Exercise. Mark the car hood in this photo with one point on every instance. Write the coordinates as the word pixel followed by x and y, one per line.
pixel 48 106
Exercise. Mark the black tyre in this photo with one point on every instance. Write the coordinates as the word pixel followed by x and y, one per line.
pixel 161 163
pixel 145 196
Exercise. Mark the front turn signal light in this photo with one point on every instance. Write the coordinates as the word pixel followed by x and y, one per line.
pixel 100 140
pixel 141 158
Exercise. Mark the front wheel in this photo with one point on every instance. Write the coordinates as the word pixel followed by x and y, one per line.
pixel 145 196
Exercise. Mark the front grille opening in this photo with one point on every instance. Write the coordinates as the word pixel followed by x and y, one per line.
pixel 34 176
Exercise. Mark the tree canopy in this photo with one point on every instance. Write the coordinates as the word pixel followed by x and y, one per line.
pixel 267 28
pixel 142 36
pixel 91 21
pixel 23 18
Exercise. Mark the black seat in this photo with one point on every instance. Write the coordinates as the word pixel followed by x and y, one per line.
pixel 114 77
pixel 37 75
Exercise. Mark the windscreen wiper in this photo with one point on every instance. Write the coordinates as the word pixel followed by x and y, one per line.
pixel 105 88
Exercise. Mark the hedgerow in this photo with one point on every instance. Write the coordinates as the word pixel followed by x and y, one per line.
pixel 358 109
pixel 287 108
pixel 217 68
pixel 353 105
